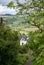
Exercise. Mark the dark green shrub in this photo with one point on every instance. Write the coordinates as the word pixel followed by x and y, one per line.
pixel 9 45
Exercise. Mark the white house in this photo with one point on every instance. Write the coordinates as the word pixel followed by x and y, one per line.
pixel 23 41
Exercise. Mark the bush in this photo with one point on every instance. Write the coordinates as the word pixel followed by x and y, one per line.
pixel 37 46
pixel 9 45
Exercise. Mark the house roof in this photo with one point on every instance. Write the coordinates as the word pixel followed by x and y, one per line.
pixel 22 36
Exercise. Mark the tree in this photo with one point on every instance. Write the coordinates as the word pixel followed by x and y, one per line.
pixel 9 45
pixel 34 10
pixel 10 4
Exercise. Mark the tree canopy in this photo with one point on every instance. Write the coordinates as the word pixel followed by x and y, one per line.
pixel 35 11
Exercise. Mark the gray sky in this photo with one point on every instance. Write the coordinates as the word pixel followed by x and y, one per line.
pixel 5 1
pixel 5 9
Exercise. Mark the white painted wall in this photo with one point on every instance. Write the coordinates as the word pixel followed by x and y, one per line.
pixel 22 42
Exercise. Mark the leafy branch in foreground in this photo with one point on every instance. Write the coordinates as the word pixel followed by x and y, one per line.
pixel 35 11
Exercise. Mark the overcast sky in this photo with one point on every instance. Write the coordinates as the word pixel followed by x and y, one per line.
pixel 5 9
pixel 7 1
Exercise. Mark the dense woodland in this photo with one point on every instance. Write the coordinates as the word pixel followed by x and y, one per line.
pixel 11 53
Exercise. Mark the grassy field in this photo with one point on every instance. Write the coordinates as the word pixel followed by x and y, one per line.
pixel 24 30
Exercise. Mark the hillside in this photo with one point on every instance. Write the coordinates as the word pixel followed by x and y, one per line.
pixel 16 21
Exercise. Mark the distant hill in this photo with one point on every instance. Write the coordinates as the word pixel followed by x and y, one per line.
pixel 6 15
pixel 16 21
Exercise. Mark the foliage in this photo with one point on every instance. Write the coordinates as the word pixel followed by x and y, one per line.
pixel 9 45
pixel 24 49
pixel 37 46
pixel 10 4
pixel 35 11
pixel 21 58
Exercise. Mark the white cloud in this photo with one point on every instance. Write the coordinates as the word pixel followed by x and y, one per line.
pixel 7 10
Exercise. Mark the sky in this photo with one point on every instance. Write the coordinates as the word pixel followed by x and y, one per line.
pixel 7 1
pixel 7 10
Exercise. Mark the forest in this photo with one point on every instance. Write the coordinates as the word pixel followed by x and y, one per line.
pixel 22 34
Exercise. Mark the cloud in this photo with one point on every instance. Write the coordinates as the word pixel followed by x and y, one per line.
pixel 7 1
pixel 4 1
pixel 7 10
